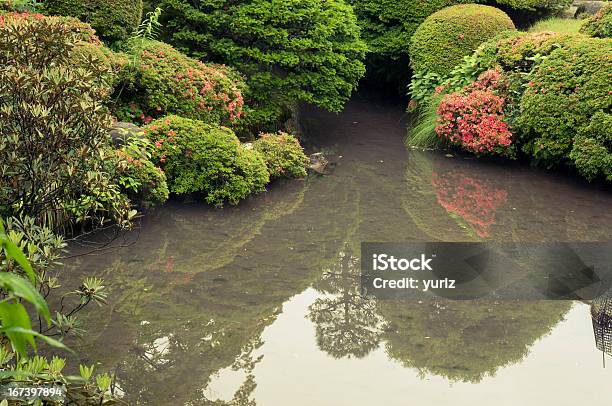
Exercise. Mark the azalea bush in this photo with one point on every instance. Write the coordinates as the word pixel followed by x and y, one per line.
pixel 142 181
pixel 205 159
pixel 283 154
pixel 474 119
pixel 600 25
pixel 160 80
pixel 565 92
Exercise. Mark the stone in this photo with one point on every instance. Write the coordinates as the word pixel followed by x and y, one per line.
pixel 121 132
pixel 319 164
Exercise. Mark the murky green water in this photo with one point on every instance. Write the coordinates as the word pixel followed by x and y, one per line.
pixel 260 303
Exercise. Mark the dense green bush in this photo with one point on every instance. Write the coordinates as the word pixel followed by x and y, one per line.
pixel 534 4
pixel 566 91
pixel 445 37
pixel 600 25
pixel 592 150
pixel 290 50
pixel 204 158
pixel 113 20
pixel 143 182
pixel 283 154
pixel 53 133
pixel 163 81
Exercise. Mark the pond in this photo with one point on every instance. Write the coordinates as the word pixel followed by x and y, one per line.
pixel 260 302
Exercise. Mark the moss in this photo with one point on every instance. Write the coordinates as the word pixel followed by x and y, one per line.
pixel 113 20
pixel 445 37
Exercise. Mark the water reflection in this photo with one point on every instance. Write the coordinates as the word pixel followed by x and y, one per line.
pixel 347 323
pixel 234 306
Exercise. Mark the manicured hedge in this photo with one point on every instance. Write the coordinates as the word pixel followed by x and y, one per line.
pixel 445 37
pixel 283 154
pixel 164 81
pixel 567 90
pixel 600 25
pixel 113 20
pixel 206 159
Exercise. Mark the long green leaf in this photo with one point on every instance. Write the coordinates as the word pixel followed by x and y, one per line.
pixel 16 325
pixel 20 287
pixel 13 251
pixel 51 341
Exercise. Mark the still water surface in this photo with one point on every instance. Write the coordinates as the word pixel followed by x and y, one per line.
pixel 260 304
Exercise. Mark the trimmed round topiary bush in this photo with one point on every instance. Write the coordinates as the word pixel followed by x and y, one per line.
pixel 113 20
pixel 566 91
pixel 207 159
pixel 445 37
pixel 592 150
pixel 600 25
pixel 165 81
pixel 283 154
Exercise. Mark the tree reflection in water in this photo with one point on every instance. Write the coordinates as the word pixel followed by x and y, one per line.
pixel 347 324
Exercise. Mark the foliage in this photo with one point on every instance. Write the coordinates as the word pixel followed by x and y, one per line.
pixel 422 134
pixel 203 158
pixel 113 20
pixel 559 25
pixel 445 37
pixel 600 25
pixel 164 81
pixel 16 327
pixel 283 155
pixel 475 120
pixel 150 26
pixel 143 182
pixel 592 150
pixel 54 126
pixel 533 4
pixel 21 6
pixel 566 90
pixel 290 50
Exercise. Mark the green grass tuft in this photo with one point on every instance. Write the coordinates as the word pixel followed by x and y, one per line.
pixel 423 132
pixel 560 25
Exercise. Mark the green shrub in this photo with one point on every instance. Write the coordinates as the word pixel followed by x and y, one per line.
pixel 283 154
pixel 203 158
pixel 600 25
pixel 163 81
pixel 534 4
pixel 143 182
pixel 290 50
pixel 53 133
pixel 566 90
pixel 113 20
pixel 592 150
pixel 445 37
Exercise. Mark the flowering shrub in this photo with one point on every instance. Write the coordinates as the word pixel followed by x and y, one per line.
pixel 600 25
pixel 207 159
pixel 474 118
pixel 283 154
pixel 565 91
pixel 475 200
pixel 143 182
pixel 164 81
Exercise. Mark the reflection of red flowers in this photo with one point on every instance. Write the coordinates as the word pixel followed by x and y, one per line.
pixel 473 199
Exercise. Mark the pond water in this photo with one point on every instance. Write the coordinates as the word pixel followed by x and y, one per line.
pixel 260 304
